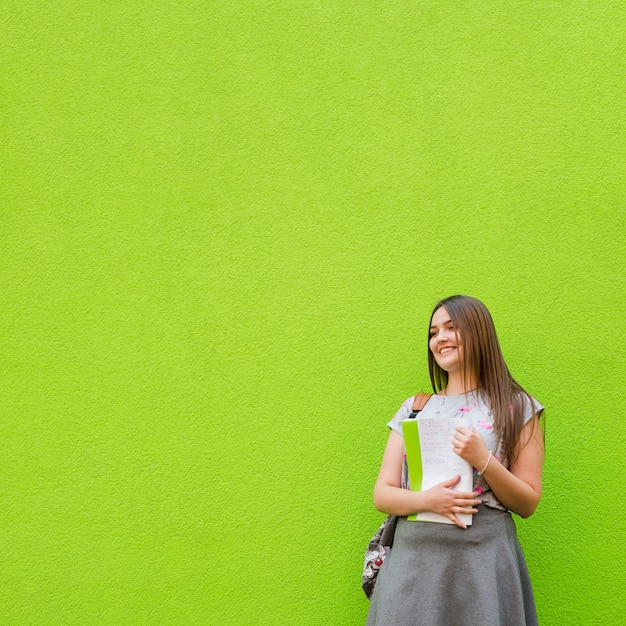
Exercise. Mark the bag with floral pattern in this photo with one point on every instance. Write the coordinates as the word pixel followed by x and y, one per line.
pixel 380 544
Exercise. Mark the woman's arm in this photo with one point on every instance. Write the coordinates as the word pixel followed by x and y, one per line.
pixel 519 487
pixel 390 498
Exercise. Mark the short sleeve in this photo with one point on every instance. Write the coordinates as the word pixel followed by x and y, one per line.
pixel 532 407
pixel 403 413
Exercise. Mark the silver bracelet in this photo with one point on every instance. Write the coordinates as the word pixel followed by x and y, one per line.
pixel 486 464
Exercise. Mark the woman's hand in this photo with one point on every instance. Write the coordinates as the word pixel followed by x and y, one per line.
pixel 444 500
pixel 470 446
pixel 391 499
pixel 517 487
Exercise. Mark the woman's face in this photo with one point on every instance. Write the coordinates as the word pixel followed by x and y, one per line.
pixel 445 343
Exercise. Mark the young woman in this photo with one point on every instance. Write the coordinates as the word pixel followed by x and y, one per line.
pixel 441 574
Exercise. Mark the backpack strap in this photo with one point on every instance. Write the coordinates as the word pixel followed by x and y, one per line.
pixel 419 402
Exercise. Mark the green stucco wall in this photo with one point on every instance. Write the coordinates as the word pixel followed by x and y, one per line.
pixel 223 226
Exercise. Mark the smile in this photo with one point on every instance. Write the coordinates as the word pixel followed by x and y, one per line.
pixel 445 350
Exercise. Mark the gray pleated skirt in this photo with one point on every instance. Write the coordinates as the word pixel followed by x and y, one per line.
pixel 442 575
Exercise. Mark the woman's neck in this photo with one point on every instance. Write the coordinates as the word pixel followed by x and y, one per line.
pixel 457 386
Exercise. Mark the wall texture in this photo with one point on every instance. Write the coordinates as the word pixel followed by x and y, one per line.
pixel 223 226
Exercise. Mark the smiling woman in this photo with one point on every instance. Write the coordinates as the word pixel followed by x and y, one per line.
pixel 440 574
pixel 445 343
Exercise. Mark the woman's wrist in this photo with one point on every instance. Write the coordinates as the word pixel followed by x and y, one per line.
pixel 486 464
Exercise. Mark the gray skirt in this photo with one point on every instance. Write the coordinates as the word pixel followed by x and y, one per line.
pixel 443 575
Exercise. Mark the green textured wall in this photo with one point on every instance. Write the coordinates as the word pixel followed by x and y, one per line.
pixel 223 226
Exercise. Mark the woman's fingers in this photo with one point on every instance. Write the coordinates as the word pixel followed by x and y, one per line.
pixel 470 499
pixel 461 510
pixel 468 510
pixel 457 521
pixel 450 483
pixel 452 503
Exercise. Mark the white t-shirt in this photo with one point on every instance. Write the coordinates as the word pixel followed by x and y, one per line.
pixel 470 406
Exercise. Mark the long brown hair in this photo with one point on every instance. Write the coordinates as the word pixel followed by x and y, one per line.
pixel 484 364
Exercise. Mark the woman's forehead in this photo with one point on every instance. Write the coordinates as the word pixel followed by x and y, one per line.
pixel 440 317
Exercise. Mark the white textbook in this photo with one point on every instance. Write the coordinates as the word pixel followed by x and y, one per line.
pixel 431 460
